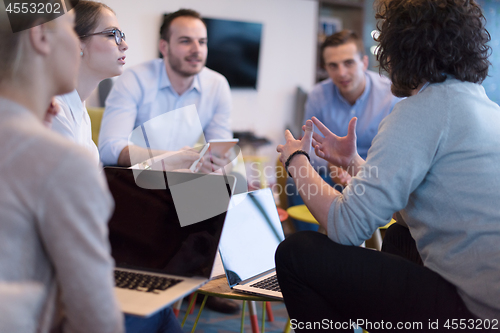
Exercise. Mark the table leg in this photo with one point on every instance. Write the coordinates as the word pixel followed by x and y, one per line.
pixel 253 316
pixel 242 329
pixel 177 307
pixel 288 327
pixel 192 296
pixel 190 306
pixel 269 311
pixel 199 313
pixel 263 327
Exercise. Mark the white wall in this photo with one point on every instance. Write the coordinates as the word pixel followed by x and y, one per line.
pixel 287 58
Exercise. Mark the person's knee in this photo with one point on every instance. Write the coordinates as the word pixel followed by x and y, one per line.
pixel 297 246
pixel 167 322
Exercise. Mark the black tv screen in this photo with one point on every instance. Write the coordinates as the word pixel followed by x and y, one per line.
pixel 233 50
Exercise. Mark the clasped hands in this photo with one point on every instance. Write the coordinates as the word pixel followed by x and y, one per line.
pixel 338 151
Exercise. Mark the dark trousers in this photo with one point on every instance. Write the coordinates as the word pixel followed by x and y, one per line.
pixel 398 241
pixel 335 285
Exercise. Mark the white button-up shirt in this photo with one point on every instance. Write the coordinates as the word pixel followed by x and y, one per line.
pixel 73 122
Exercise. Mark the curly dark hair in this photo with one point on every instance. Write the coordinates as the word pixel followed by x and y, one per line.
pixel 423 40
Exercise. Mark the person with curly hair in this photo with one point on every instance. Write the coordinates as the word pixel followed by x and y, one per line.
pixel 351 90
pixel 420 164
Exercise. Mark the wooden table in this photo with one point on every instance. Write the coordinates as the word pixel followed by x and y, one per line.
pixel 220 288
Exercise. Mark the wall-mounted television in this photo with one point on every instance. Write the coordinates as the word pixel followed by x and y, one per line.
pixel 233 50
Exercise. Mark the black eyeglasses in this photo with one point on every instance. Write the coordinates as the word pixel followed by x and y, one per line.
pixel 119 35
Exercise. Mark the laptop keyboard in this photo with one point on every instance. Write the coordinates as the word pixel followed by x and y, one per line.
pixel 271 283
pixel 143 282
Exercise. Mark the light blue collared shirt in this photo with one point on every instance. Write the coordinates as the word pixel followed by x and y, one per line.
pixel 327 104
pixel 144 92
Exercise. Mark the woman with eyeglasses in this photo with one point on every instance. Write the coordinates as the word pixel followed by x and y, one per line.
pixel 102 55
pixel 102 51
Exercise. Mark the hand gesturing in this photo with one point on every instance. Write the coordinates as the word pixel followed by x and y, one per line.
pixel 339 151
pixel 292 145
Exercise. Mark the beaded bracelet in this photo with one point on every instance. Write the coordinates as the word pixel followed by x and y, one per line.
pixel 297 152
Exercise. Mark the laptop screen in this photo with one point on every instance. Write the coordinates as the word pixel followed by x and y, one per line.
pixel 148 230
pixel 251 234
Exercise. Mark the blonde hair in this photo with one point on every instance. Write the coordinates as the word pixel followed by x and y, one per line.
pixel 11 43
pixel 9 48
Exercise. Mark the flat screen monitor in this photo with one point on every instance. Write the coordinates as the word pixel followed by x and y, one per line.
pixel 233 50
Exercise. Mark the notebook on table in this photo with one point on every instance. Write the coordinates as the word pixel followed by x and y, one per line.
pixel 251 234
pixel 164 234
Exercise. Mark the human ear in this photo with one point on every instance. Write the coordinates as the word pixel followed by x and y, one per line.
pixel 365 62
pixel 39 39
pixel 163 47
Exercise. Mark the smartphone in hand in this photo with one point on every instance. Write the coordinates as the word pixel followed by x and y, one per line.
pixel 219 147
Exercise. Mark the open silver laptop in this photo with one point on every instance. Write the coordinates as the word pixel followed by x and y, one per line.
pixel 251 234
pixel 164 234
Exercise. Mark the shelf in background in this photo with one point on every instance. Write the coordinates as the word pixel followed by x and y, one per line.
pixel 334 15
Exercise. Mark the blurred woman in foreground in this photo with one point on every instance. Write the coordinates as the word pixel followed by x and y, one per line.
pixel 55 268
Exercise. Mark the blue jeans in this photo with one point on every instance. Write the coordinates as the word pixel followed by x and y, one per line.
pixel 161 322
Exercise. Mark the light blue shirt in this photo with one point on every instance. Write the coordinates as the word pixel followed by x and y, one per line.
pixel 435 159
pixel 144 92
pixel 327 104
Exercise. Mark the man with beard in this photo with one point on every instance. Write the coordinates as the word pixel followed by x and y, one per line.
pixel 159 86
